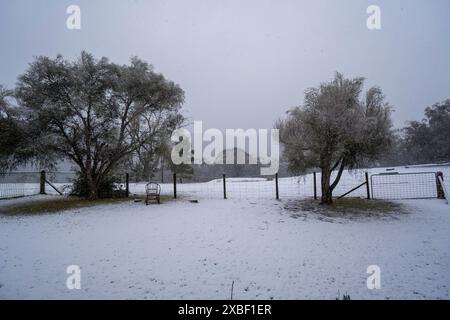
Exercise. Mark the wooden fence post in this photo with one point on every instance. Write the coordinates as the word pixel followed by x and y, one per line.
pixel 277 195
pixel 127 184
pixel 42 182
pixel 440 190
pixel 367 185
pixel 224 186
pixel 174 185
pixel 315 185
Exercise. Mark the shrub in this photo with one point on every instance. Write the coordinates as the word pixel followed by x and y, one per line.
pixel 109 187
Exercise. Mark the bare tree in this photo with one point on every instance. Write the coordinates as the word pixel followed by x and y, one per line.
pixel 335 129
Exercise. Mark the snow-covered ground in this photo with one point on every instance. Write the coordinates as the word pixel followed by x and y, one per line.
pixel 183 250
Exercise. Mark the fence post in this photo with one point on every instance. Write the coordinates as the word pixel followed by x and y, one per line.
pixel 42 182
pixel 277 195
pixel 315 185
pixel 224 186
pixel 174 185
pixel 440 190
pixel 367 186
pixel 127 184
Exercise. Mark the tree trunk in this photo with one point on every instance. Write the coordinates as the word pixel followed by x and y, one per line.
pixel 92 186
pixel 162 170
pixel 327 191
pixel 327 186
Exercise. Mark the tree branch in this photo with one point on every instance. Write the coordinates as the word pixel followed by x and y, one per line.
pixel 338 177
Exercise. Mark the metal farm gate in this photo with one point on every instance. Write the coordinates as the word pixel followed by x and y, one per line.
pixel 395 186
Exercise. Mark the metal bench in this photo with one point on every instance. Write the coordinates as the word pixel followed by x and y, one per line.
pixel 153 191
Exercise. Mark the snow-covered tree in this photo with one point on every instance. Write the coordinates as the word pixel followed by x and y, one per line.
pixel 336 129
pixel 94 112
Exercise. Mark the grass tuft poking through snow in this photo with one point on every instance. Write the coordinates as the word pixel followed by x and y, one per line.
pixel 346 207
pixel 58 204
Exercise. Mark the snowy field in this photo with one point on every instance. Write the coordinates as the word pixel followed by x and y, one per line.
pixel 183 250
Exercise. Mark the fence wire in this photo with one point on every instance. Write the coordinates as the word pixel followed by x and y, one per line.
pixel 262 187
pixel 383 186
pixel 417 185
pixel 63 181
pixel 19 184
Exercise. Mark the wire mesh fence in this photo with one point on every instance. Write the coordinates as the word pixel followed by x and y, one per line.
pixel 348 181
pixel 352 183
pixel 417 185
pixel 194 186
pixel 260 187
pixel 19 184
pixel 382 186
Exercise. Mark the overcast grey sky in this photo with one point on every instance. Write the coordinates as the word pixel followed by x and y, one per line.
pixel 243 63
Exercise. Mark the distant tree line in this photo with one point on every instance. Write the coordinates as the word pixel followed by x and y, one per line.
pixel 425 141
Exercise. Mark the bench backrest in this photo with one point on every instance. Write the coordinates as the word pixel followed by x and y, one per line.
pixel 153 188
